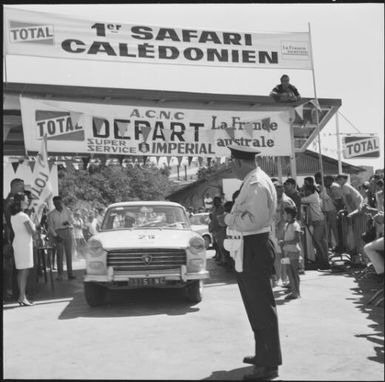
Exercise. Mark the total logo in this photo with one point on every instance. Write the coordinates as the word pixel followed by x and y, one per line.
pixel 58 126
pixel 29 32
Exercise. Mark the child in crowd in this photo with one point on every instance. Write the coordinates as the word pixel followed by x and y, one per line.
pixel 291 250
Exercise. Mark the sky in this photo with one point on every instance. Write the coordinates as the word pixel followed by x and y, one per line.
pixel 348 51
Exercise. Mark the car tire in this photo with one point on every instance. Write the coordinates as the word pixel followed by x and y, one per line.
pixel 194 291
pixel 207 240
pixel 95 294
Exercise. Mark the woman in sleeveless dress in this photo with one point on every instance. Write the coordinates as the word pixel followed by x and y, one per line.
pixel 22 244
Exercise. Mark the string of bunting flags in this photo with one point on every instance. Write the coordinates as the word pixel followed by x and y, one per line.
pixel 86 162
pixel 299 110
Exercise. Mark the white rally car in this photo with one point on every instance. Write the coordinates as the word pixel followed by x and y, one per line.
pixel 145 245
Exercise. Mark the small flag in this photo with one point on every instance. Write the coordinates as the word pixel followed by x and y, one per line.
pixel 179 158
pixel 75 118
pixel 230 132
pixel 315 103
pixel 146 132
pixel 299 111
pixel 85 162
pixel 122 127
pixel 167 134
pixel 249 128
pixel 15 165
pixel 31 164
pixel 168 161
pixel 266 124
pixel 189 160
pixel 98 124
pixel 200 161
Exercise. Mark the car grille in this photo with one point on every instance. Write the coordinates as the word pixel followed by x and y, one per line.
pixel 135 259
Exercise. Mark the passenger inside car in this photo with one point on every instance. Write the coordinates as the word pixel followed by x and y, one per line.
pixel 129 221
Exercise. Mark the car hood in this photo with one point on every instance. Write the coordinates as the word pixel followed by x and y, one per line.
pixel 148 238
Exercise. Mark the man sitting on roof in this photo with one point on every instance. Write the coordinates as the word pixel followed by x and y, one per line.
pixel 285 92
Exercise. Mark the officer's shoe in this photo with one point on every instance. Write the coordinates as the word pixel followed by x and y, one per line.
pixel 262 373
pixel 250 360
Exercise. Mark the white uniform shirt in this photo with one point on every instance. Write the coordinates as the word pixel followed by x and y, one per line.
pixel 254 209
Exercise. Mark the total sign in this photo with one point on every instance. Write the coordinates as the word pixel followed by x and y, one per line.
pixel 361 147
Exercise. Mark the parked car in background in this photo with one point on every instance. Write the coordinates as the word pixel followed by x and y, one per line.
pixel 200 224
pixel 145 245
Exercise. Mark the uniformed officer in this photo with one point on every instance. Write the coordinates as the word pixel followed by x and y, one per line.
pixel 252 214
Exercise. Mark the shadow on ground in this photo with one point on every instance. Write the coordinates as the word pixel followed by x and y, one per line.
pixel 367 286
pixel 230 375
pixel 125 303
pixel 131 303
pixel 218 274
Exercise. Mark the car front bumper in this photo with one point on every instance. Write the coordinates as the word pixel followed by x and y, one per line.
pixel 173 274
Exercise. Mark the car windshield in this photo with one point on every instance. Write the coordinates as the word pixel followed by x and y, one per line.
pixel 145 216
pixel 200 219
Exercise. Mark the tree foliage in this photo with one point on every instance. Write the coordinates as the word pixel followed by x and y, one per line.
pixel 206 172
pixel 104 185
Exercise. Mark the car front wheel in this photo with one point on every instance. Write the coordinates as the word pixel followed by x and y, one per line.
pixel 194 291
pixel 95 294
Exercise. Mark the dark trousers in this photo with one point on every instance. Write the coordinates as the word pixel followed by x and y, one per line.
pixel 258 298
pixel 64 246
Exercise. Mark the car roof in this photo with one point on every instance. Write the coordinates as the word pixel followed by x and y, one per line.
pixel 146 203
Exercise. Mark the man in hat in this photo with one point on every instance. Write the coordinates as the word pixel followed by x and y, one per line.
pixel 253 214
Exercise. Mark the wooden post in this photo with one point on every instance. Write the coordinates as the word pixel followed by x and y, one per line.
pixel 279 168
pixel 293 164
pixel 338 144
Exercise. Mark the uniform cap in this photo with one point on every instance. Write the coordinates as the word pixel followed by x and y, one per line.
pixel 243 152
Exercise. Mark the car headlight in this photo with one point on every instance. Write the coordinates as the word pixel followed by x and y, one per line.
pixel 96 260
pixel 197 245
pixel 95 248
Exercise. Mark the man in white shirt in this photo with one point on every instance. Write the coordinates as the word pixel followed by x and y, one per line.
pixel 253 214
pixel 60 226
pixel 352 198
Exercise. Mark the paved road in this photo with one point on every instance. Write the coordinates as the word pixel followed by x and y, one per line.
pixel 329 334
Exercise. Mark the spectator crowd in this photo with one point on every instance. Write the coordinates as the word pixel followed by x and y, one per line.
pixel 335 217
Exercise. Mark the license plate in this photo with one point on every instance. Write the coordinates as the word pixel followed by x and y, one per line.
pixel 147 282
